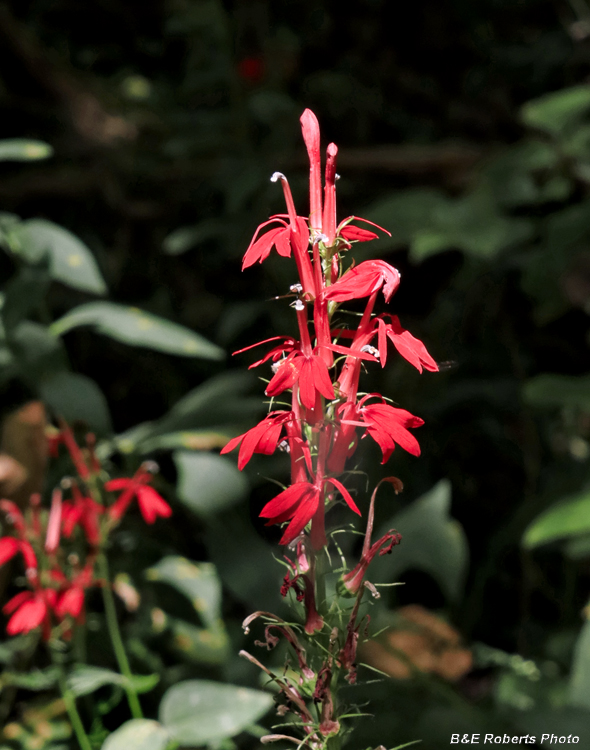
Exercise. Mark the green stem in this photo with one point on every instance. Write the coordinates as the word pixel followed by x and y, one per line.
pixel 115 635
pixel 76 721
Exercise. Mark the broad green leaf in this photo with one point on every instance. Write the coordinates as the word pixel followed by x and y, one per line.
pixel 208 483
pixel 35 679
pixel 201 645
pixel 85 679
pixel 431 541
pixel 569 517
pixel 197 581
pixel 197 712
pixel 138 734
pixel 190 440
pixel 579 687
pixel 137 328
pixel 556 112
pixel 220 400
pixel 185 238
pixel 578 548
pixel 36 351
pixel 76 397
pixel 23 294
pixel 24 149
pixel 70 260
pixel 559 390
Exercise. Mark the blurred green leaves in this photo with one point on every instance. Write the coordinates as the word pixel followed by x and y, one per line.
pixel 208 483
pixel 23 149
pixel 432 541
pixel 198 712
pixel 568 518
pixel 137 328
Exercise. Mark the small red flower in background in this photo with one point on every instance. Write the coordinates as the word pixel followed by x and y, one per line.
pixel 83 511
pixel 263 438
pixel 151 503
pixel 29 610
pixel 9 547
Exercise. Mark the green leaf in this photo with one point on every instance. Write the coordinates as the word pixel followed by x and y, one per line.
pixel 556 112
pixel 138 734
pixel 23 294
pixel 77 398
pixel 191 440
pixel 579 686
pixel 35 679
pixel 137 328
pixel 85 679
pixel 432 541
pixel 208 483
pixel 37 352
pixel 185 238
pixel 559 390
pixel 197 712
pixel 24 149
pixel 569 517
pixel 197 581
pixel 70 260
pixel 201 645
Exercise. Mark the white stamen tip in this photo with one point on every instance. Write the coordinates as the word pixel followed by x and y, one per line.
pixel 336 176
pixel 284 446
pixel 298 305
pixel 297 288
pixel 277 176
pixel 370 350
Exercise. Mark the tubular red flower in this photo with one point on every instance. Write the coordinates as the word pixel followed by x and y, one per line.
pixel 151 504
pixel 263 438
pixel 54 523
pixel 310 372
pixel 389 426
pixel 363 280
pixel 85 512
pixel 407 345
pixel 259 249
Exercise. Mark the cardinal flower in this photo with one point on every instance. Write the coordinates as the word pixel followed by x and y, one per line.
pixel 263 438
pixel 71 601
pixel 278 237
pixel 29 610
pixel 299 503
pixel 83 511
pixel 151 504
pixel 9 547
pixel 389 426
pixel 310 371
pixel 363 280
pixel 407 345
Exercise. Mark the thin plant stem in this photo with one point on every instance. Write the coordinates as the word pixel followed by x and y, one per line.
pixel 117 641
pixel 69 700
pixel 76 721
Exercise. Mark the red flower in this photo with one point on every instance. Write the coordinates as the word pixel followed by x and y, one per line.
pixel 279 237
pixel 263 438
pixel 9 547
pixel 31 609
pixel 407 345
pixel 363 280
pixel 310 371
pixel 388 426
pixel 299 502
pixel 71 601
pixel 85 512
pixel 151 504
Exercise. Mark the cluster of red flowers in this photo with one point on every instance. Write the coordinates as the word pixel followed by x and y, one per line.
pixel 57 580
pixel 321 430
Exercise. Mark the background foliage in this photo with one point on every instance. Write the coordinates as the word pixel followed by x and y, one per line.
pixel 464 128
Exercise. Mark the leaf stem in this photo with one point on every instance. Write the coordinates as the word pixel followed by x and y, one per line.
pixel 116 639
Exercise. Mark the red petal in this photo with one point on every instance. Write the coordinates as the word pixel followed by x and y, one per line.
pixel 152 505
pixel 28 617
pixel 70 603
pixel 302 517
pixel 345 494
pixel 260 250
pixel 16 601
pixel 118 484
pixel 8 548
pixel 281 506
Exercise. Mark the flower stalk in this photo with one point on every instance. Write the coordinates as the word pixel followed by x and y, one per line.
pixel 322 431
